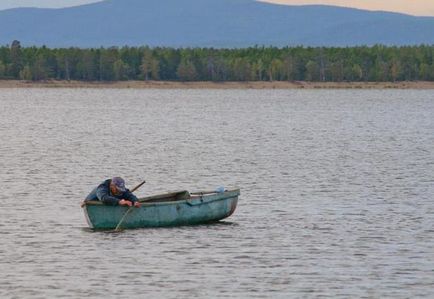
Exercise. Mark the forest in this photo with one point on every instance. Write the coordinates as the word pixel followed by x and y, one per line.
pixel 318 64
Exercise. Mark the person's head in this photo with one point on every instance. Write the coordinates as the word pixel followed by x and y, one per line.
pixel 117 185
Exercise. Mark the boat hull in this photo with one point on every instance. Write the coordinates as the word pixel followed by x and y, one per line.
pixel 189 211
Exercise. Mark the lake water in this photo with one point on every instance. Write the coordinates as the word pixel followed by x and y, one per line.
pixel 337 192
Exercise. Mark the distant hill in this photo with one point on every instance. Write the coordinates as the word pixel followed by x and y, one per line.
pixel 210 23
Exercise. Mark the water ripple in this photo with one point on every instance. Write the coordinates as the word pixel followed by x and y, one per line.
pixel 336 193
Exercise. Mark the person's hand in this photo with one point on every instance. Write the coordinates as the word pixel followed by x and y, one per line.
pixel 137 204
pixel 124 202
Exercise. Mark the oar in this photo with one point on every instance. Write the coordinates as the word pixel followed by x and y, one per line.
pixel 138 186
pixel 129 210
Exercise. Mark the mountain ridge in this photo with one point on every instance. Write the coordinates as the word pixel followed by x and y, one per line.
pixel 210 23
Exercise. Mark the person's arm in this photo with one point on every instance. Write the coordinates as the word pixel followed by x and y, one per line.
pixel 131 197
pixel 128 195
pixel 103 195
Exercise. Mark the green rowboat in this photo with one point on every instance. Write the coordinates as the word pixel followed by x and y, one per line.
pixel 169 209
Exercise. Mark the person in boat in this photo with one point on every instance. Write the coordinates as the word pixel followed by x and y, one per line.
pixel 113 192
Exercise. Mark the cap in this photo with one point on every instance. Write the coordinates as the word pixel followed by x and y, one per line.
pixel 119 183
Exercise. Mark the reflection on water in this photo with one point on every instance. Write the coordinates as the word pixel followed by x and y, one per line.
pixel 336 201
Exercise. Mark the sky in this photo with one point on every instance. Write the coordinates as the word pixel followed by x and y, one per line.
pixel 414 7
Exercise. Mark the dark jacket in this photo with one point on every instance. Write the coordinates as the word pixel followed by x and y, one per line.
pixel 103 193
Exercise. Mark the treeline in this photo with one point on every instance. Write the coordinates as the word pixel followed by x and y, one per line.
pixel 377 63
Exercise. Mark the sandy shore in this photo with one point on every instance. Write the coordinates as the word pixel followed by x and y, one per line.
pixel 218 85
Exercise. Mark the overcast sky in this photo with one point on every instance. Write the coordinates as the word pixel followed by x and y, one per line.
pixel 415 7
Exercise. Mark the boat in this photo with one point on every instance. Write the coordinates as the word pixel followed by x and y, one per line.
pixel 164 210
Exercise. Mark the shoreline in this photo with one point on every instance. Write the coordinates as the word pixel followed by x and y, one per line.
pixel 218 85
